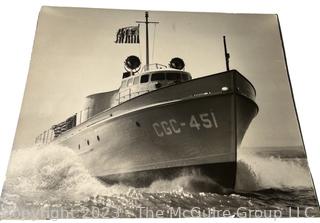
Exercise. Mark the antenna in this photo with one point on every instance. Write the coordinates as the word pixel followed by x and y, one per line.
pixel 226 54
pixel 147 37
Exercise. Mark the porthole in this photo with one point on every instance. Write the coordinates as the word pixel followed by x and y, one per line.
pixel 98 138
pixel 88 143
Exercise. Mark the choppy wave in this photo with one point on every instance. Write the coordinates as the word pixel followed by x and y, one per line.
pixel 57 172
pixel 53 172
pixel 257 173
pixel 54 176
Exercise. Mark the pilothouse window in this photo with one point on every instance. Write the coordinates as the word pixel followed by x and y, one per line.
pixel 157 77
pixel 173 76
pixel 185 77
pixel 144 78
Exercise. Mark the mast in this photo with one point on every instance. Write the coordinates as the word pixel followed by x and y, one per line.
pixel 226 54
pixel 147 37
pixel 147 40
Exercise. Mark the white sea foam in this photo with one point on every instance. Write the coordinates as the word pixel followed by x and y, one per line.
pixel 56 172
pixel 53 172
pixel 256 173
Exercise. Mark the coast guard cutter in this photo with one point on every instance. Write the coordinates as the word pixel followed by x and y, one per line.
pixel 160 122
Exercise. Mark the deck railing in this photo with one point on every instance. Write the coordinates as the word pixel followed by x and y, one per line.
pixel 48 135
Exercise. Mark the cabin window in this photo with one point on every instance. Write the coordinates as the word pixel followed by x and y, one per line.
pixel 136 80
pixel 98 138
pixel 130 82
pixel 78 146
pixel 157 77
pixel 173 76
pixel 88 143
pixel 123 83
pixel 185 77
pixel 144 78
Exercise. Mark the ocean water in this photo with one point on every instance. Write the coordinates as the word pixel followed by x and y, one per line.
pixel 52 183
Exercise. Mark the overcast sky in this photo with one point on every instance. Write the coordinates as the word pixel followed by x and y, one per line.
pixel 74 55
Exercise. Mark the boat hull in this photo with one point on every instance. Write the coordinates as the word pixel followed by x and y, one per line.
pixel 165 139
pixel 214 177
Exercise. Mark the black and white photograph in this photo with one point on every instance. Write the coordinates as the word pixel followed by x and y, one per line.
pixel 157 114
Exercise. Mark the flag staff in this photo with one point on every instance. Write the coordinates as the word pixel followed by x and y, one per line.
pixel 147 37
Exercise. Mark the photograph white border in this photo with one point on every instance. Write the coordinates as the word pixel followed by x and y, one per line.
pixel 299 22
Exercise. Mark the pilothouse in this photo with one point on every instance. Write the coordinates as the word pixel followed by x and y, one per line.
pixel 151 77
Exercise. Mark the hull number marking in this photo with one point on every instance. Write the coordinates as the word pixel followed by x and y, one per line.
pixel 172 126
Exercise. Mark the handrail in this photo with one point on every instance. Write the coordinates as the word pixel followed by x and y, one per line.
pixel 48 135
pixel 156 65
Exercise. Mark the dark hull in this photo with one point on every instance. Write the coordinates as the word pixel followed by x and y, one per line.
pixel 168 132
pixel 222 170
pixel 219 176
